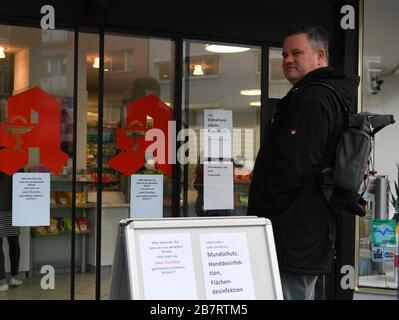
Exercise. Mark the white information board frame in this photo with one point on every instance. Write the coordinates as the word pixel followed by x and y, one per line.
pixel 127 275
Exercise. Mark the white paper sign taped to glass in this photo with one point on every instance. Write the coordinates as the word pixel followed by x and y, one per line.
pixel 218 186
pixel 168 269
pixel 218 126
pixel 31 199
pixel 227 266
pixel 146 196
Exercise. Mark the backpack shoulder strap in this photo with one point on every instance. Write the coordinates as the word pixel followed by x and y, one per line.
pixel 326 169
pixel 331 151
pixel 337 95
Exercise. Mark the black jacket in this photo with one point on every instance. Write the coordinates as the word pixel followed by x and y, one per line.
pixel 286 186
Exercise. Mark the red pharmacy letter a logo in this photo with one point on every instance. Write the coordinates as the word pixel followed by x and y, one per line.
pixel 132 138
pixel 33 121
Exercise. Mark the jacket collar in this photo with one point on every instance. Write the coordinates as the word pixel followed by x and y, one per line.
pixel 311 76
pixel 306 79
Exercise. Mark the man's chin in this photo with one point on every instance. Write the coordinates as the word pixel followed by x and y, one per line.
pixel 291 78
pixel 291 75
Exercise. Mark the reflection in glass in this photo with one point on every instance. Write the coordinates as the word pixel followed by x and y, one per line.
pixel 225 76
pixel 138 67
pixel 41 62
pixel 278 84
pixel 379 94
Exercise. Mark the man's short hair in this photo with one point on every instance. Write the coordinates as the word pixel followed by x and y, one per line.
pixel 317 36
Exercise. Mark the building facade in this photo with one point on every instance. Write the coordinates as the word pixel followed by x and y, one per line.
pixel 102 57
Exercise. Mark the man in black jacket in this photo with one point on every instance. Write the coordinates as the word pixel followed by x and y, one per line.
pixel 286 179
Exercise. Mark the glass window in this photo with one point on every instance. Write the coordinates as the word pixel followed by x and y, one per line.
pixel 36 67
pixel 135 101
pixel 220 87
pixel 380 80
pixel 278 84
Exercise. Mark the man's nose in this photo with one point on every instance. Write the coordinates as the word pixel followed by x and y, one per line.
pixel 288 59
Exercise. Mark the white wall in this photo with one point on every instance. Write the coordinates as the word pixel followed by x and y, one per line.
pixel 387 140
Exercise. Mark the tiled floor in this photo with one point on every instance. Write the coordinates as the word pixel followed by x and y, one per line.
pixel 84 288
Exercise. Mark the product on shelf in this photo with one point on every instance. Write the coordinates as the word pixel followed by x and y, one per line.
pixel 53 226
pixel 242 178
pixel 80 198
pixel 52 198
pixel 60 223
pixel 83 177
pixel 92 119
pixel 112 125
pixel 242 175
pixel 40 230
pixel 68 195
pixel 68 225
pixel 61 198
pixel 243 199
pixel 83 223
pixel 64 198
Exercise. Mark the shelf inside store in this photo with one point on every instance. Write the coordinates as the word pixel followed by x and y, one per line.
pixel 105 156
pixel 78 206
pixel 84 178
pixel 94 143
pixel 60 233
pixel 105 126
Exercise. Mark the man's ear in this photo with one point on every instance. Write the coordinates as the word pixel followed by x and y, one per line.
pixel 321 57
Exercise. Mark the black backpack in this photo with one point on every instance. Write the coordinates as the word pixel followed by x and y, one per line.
pixel 345 183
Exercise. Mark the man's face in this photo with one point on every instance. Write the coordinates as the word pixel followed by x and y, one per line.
pixel 299 57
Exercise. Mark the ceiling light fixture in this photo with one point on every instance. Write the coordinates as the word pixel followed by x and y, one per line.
pixel 255 104
pixel 224 49
pixel 96 64
pixel 251 92
pixel 198 71
pixel 2 53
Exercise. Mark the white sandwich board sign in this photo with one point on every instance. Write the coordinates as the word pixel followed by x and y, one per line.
pixel 213 258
